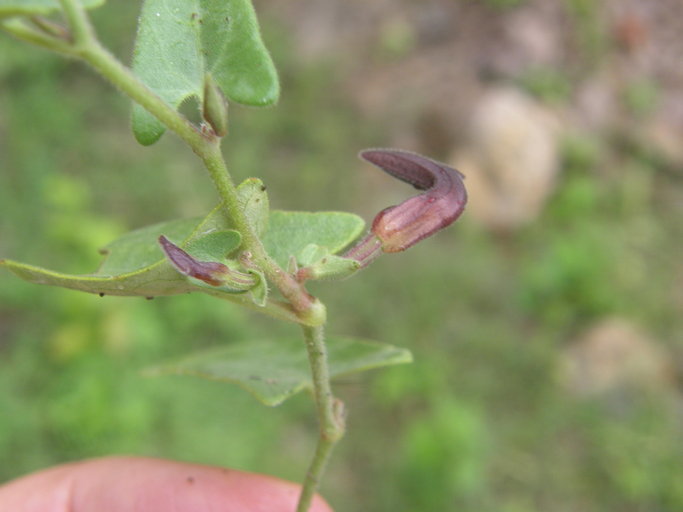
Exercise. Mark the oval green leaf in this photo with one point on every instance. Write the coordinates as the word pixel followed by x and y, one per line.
pixel 320 264
pixel 253 199
pixel 289 233
pixel 179 42
pixel 135 265
pixel 274 370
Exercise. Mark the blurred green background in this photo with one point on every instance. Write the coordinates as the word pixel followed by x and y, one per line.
pixel 546 325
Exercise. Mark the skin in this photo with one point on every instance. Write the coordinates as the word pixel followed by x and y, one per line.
pixel 135 484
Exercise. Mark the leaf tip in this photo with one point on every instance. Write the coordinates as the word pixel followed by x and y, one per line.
pixel 145 138
pixel 146 128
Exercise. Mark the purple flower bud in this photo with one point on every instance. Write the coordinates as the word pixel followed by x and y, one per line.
pixel 401 226
pixel 211 272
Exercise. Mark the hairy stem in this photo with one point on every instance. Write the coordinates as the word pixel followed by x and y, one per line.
pixel 82 31
pixel 24 32
pixel 330 414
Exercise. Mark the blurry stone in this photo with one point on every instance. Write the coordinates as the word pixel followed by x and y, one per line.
pixel 615 355
pixel 510 159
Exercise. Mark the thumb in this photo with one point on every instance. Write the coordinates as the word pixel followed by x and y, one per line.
pixel 136 484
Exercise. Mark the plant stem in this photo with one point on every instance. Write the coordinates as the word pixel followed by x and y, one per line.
pixel 19 29
pixel 330 414
pixel 81 29
pixel 309 309
pixel 305 308
pixel 122 77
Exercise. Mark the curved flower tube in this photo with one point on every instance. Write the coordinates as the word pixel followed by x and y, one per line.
pixel 401 226
pixel 396 228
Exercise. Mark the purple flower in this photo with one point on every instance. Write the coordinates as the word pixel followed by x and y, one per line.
pixel 444 198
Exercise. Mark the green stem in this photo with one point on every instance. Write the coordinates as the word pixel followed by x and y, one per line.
pixel 82 32
pixel 330 414
pixel 122 77
pixel 309 309
pixel 19 29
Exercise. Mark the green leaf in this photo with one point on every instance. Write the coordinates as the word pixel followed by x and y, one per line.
pixel 311 254
pixel 289 233
pixel 254 202
pixel 34 7
pixel 274 370
pixel 179 42
pixel 215 246
pixel 135 265
pixel 139 249
pixel 320 264
pixel 259 293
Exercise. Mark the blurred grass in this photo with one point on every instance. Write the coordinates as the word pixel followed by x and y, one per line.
pixel 479 422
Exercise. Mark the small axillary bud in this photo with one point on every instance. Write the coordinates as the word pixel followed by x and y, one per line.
pixel 51 28
pixel 215 107
pixel 402 226
pixel 211 272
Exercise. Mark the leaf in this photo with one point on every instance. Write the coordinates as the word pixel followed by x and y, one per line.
pixel 311 254
pixel 254 202
pixel 179 42
pixel 274 370
pixel 135 265
pixel 289 233
pixel 259 293
pixel 252 198
pixel 34 7
pixel 318 263
pixel 212 247
pixel 139 249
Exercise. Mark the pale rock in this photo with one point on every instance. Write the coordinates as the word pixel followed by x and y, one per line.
pixel 615 355
pixel 510 159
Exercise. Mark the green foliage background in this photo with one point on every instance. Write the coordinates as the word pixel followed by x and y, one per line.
pixel 479 422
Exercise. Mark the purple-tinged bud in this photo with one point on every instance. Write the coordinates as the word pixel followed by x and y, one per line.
pixel 211 272
pixel 401 226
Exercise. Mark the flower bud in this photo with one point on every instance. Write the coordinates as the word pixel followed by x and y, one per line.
pixel 401 226
pixel 210 272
